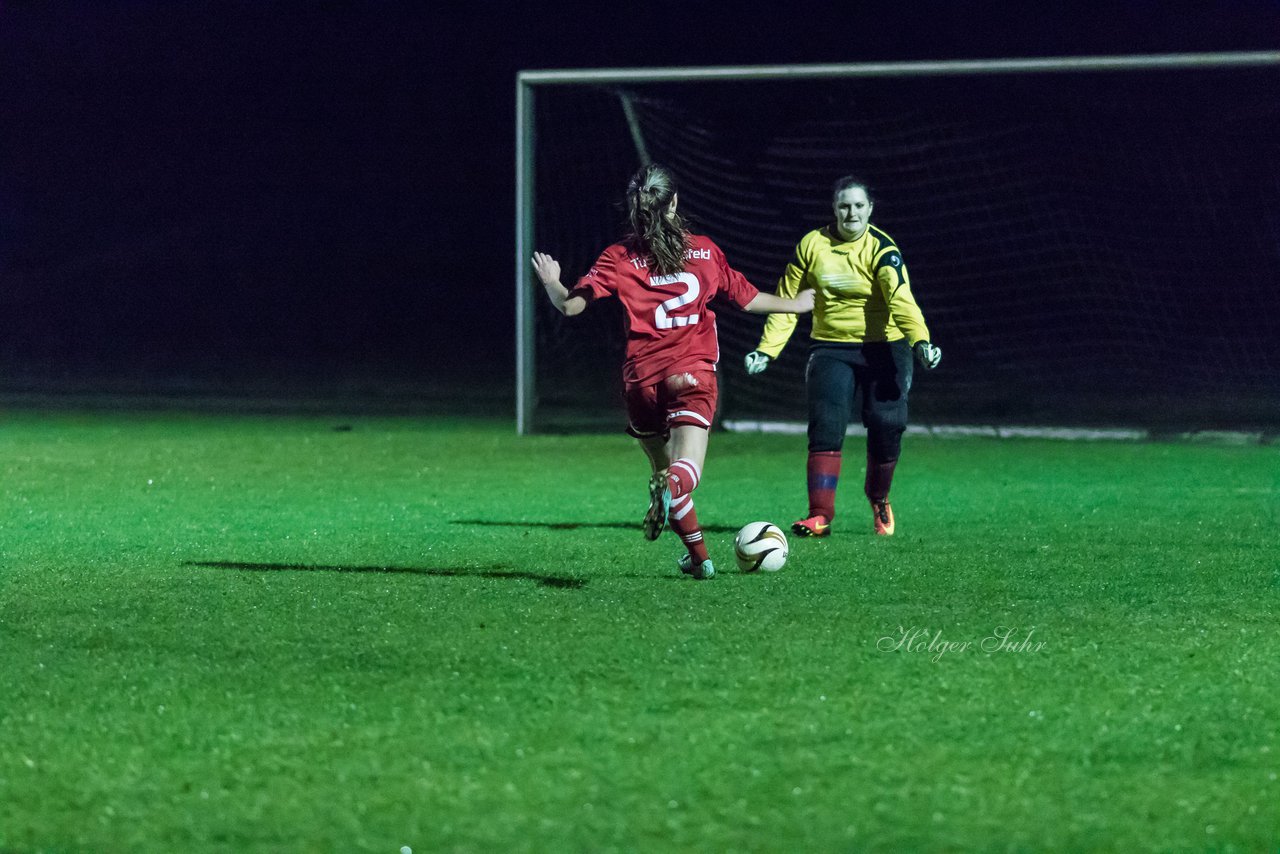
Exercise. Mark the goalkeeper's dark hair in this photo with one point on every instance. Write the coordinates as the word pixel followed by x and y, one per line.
pixel 658 233
pixel 848 182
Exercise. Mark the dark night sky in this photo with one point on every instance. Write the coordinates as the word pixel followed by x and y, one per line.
pixel 188 181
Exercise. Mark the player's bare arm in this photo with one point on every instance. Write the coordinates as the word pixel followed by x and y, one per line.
pixel 548 272
pixel 773 304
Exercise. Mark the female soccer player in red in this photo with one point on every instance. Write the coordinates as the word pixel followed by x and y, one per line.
pixel 665 277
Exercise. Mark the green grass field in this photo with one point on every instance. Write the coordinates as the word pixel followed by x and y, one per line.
pixel 350 634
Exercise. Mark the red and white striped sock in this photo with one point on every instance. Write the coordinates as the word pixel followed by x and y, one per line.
pixel 683 476
pixel 684 521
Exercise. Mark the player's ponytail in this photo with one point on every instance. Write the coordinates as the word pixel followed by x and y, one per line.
pixel 657 231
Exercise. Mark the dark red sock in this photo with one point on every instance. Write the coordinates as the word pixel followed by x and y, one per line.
pixel 824 474
pixel 684 521
pixel 879 479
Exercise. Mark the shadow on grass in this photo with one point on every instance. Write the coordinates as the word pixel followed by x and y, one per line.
pixel 573 526
pixel 442 572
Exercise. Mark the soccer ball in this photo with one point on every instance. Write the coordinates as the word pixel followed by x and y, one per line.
pixel 760 545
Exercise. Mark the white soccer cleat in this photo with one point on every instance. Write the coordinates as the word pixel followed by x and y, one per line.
pixel 701 571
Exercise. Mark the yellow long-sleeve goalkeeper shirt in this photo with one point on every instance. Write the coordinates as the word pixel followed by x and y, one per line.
pixel 863 291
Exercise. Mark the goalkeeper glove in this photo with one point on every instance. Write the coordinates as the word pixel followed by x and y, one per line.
pixel 756 362
pixel 927 355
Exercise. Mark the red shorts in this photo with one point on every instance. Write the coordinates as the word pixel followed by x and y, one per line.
pixel 652 410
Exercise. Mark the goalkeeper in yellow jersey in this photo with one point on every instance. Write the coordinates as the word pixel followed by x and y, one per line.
pixel 866 328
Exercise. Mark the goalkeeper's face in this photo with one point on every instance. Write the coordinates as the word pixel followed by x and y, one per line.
pixel 853 212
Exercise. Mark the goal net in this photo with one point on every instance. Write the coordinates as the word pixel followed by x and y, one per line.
pixel 1093 242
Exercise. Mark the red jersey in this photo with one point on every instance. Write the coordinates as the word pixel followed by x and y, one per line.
pixel 670 325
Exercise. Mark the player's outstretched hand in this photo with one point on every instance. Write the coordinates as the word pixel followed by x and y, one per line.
pixel 806 299
pixel 927 355
pixel 756 362
pixel 547 268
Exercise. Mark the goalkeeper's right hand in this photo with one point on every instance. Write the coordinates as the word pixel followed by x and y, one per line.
pixel 756 362
pixel 927 355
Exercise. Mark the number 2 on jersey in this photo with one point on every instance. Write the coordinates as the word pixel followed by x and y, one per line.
pixel 662 318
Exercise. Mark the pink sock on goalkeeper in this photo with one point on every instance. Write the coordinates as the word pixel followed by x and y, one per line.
pixel 823 472
pixel 682 476
pixel 879 479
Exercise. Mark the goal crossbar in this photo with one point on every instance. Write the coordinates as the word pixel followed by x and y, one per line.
pixel 897 69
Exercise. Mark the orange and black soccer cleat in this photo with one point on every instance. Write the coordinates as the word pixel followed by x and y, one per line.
pixel 882 518
pixel 814 526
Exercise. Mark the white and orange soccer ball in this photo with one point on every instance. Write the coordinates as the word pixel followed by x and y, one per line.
pixel 760 545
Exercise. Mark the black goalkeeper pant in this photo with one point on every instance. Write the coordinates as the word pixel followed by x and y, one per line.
pixel 878 375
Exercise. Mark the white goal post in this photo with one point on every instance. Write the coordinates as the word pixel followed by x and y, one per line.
pixel 530 82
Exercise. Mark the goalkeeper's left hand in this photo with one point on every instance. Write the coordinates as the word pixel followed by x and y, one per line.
pixel 927 355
